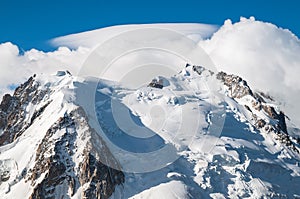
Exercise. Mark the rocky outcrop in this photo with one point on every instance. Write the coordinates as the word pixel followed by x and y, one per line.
pixel 60 175
pixel 260 123
pixel 13 110
pixel 100 178
pixel 279 117
pixel 6 102
pixel 58 167
pixel 95 172
pixel 4 107
pixel 200 69
pixel 57 172
pixel 237 87
pixel 156 83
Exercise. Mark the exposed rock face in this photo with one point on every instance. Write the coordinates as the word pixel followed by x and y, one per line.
pixel 67 157
pixel 101 180
pixel 59 167
pixel 156 84
pixel 260 123
pixel 62 177
pixel 200 69
pixel 262 96
pixel 281 125
pixel 4 106
pixel 237 87
pixel 6 102
pixel 13 110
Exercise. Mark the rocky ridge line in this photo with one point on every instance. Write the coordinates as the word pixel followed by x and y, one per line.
pixel 13 110
pixel 237 89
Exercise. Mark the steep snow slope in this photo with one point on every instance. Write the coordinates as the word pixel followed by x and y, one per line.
pixel 254 157
pixel 56 154
pixel 180 141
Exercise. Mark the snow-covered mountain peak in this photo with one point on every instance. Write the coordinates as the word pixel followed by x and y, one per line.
pixel 47 146
pixel 200 133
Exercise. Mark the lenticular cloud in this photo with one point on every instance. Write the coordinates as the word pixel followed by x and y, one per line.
pixel 265 55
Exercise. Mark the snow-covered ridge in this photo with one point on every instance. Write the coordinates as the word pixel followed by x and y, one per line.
pixel 253 146
pixel 47 143
pixel 58 151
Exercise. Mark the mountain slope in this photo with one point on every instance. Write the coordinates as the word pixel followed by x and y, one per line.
pixel 254 157
pixel 56 153
pixel 180 137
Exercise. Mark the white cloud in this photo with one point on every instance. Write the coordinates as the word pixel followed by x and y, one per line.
pixel 195 31
pixel 16 68
pixel 265 55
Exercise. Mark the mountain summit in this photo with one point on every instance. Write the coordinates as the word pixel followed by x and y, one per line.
pixel 63 137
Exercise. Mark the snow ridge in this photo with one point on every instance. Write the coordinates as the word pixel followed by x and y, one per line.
pixel 55 149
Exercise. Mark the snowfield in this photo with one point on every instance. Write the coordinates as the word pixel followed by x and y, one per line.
pixel 165 140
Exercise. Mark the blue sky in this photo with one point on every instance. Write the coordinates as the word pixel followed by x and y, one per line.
pixel 30 24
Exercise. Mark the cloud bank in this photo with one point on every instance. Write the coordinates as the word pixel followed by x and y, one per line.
pixel 265 55
pixel 16 68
